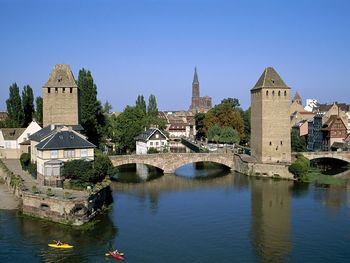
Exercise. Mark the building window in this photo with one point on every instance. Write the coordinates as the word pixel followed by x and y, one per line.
pixel 54 154
pixel 273 93
pixel 157 143
pixel 285 93
pixel 270 143
pixel 64 90
pixel 267 93
pixel 69 153
pixel 71 90
pixel 151 143
pixel 83 153
pixel 157 136
pixel 56 90
pixel 162 143
pixel 279 93
pixel 48 90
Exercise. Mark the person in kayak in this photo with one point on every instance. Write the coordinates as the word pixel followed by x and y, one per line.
pixel 59 243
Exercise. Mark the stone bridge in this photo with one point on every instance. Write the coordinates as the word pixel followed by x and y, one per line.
pixel 169 162
pixel 343 155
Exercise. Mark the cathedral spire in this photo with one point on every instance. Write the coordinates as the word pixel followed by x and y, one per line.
pixel 195 77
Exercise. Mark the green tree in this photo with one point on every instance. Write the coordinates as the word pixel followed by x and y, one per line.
pixel 107 107
pixel 233 102
pixel 247 126
pixel 229 135
pixel 298 143
pixel 152 109
pixel 199 121
pixel 102 167
pixel 14 107
pixel 39 110
pixel 28 105
pixel 91 113
pixel 140 103
pixel 224 116
pixel 127 126
pixel 214 133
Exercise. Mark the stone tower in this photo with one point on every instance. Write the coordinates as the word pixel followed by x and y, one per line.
pixel 297 99
pixel 61 97
pixel 270 119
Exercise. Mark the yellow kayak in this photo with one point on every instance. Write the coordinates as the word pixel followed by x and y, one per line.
pixel 60 246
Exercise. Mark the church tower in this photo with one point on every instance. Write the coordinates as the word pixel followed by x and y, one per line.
pixel 61 97
pixel 195 92
pixel 270 119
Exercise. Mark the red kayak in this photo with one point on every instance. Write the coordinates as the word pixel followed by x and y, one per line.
pixel 116 255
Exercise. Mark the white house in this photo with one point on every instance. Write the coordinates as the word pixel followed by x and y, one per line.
pixel 152 138
pixel 11 138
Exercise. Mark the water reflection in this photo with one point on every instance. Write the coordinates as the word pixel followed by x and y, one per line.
pixel 87 243
pixel 271 219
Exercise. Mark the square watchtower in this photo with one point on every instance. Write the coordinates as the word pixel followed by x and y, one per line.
pixel 61 97
pixel 270 119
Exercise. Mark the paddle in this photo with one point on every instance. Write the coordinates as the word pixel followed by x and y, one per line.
pixel 120 253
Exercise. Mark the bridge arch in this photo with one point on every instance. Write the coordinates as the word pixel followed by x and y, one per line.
pixel 342 156
pixel 169 162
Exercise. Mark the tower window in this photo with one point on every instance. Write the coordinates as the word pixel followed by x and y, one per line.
pixel 270 143
pixel 48 90
pixel 56 90
pixel 267 93
pixel 71 90
pixel 281 143
pixel 273 93
pixel 64 90
pixel 279 93
pixel 285 93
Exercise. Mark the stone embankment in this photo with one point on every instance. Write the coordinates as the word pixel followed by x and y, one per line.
pixel 59 205
pixel 245 164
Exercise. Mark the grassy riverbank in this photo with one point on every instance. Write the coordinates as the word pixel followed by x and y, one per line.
pixel 314 175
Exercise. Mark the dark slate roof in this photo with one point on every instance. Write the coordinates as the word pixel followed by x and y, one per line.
pixel 12 134
pixel 144 136
pixel 325 107
pixel 195 77
pixel 270 79
pixel 64 140
pixel 46 131
pixel 61 76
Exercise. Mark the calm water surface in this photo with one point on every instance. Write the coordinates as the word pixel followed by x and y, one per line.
pixel 176 218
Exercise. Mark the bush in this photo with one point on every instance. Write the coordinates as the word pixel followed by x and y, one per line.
pixel 152 150
pixel 78 170
pixel 102 167
pixel 300 167
pixel 25 161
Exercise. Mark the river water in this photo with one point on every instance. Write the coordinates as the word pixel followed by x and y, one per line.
pixel 195 216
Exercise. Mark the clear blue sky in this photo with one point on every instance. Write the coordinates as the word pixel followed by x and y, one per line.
pixel 152 46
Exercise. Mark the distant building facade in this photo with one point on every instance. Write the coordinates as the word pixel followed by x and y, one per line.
pixel 315 135
pixel 334 131
pixel 199 104
pixel 61 97
pixel 270 119
pixel 151 138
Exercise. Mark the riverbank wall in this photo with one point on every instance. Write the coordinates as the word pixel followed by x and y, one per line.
pixel 63 206
pixel 246 165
